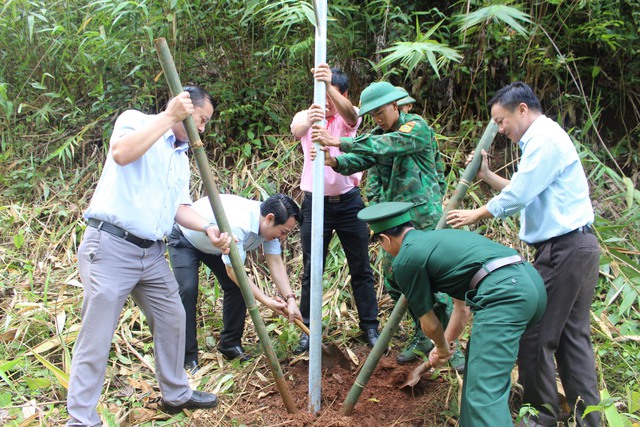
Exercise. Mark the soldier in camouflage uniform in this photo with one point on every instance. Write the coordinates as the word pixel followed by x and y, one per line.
pixel 406 103
pixel 405 165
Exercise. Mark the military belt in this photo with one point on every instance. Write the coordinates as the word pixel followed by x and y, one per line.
pixel 492 266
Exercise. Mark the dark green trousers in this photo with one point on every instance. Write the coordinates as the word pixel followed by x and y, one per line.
pixel 505 304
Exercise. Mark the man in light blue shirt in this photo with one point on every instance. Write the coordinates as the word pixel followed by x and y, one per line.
pixel 143 189
pixel 551 192
pixel 253 224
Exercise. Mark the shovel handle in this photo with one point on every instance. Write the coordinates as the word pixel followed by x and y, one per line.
pixel 423 368
pixel 302 326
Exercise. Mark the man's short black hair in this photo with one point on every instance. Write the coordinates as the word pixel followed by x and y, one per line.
pixel 339 79
pixel 512 95
pixel 393 231
pixel 199 96
pixel 282 207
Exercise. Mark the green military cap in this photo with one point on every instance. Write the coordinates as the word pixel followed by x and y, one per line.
pixel 407 99
pixel 378 94
pixel 386 215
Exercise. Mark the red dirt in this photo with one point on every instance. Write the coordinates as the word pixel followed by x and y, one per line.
pixel 382 402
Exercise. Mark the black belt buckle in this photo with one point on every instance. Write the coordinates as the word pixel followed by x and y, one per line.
pixel 333 199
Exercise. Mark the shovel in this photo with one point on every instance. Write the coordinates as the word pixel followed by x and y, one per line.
pixel 331 353
pixel 416 374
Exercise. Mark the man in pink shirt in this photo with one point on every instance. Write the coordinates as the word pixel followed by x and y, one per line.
pixel 342 202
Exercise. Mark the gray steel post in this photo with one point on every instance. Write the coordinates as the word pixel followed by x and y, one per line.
pixel 317 224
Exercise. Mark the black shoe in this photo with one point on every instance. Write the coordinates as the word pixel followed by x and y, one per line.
pixel 191 367
pixel 234 352
pixel 372 336
pixel 199 400
pixel 303 345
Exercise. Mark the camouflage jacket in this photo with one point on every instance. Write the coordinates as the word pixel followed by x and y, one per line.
pixel 405 165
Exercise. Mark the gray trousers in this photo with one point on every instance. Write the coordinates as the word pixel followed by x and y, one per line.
pixel 569 267
pixel 111 269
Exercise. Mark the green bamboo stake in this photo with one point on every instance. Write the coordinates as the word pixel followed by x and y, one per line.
pixel 401 306
pixel 169 68
pixel 469 172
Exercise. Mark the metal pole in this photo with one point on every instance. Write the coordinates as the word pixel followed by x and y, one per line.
pixel 169 68
pixel 401 307
pixel 317 224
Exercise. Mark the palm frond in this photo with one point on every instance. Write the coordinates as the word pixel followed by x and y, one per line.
pixel 285 15
pixel 509 15
pixel 411 54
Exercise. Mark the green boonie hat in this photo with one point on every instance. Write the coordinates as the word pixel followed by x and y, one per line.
pixel 407 99
pixel 386 215
pixel 378 94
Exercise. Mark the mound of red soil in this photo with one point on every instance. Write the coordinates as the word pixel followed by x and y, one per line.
pixel 382 402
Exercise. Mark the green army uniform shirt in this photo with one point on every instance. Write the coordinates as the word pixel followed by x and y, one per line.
pixel 404 165
pixel 441 261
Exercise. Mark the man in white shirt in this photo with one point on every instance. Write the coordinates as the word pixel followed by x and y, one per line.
pixel 143 189
pixel 551 192
pixel 253 224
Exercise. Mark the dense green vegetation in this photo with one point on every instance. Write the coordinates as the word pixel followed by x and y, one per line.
pixel 69 67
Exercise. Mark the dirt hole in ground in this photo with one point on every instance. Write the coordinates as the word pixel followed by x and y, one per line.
pixel 381 403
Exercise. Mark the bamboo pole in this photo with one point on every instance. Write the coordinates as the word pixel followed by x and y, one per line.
pixel 469 172
pixel 317 224
pixel 173 80
pixel 401 306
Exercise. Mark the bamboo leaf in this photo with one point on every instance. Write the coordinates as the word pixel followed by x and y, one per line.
pixel 630 191
pixel 61 376
pixel 54 342
pixel 224 384
pixel 610 411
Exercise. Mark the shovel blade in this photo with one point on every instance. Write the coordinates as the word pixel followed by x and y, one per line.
pixel 416 374
pixel 332 356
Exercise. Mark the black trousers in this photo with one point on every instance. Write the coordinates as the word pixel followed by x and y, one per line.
pixel 185 261
pixel 342 217
pixel 569 267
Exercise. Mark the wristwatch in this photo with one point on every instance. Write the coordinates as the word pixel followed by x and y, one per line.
pixel 207 226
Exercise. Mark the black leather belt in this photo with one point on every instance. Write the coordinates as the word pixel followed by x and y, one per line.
pixel 585 229
pixel 492 266
pixel 119 232
pixel 339 198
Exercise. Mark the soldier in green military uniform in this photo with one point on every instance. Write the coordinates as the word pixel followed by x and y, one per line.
pixel 404 164
pixel 505 294
pixel 405 104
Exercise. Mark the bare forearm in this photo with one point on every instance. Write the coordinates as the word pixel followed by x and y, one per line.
pixel 457 321
pixel 279 274
pixel 189 218
pixel 432 328
pixel 131 147
pixel 255 290
pixel 343 105
pixel 495 181
pixel 300 125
